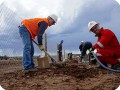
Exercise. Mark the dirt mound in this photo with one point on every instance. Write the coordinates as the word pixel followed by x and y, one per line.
pixel 70 76
pixel 76 71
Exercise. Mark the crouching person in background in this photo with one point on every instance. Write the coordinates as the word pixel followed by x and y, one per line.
pixel 84 46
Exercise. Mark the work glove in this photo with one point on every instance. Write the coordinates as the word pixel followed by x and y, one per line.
pixel 41 47
pixel 91 49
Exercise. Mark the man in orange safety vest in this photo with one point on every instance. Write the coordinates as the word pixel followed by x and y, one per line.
pixel 29 29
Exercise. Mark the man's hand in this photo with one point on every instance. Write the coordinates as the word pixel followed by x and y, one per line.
pixel 41 47
pixel 91 49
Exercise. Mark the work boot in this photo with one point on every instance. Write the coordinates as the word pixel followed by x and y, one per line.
pixel 116 66
pixel 30 70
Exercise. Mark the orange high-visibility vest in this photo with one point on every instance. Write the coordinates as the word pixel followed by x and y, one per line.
pixel 32 25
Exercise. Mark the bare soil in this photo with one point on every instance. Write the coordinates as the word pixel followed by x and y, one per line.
pixel 68 76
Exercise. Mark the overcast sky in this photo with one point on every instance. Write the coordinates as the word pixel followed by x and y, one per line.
pixel 71 27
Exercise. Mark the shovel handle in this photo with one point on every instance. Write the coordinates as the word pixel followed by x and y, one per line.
pixel 45 51
pixel 35 43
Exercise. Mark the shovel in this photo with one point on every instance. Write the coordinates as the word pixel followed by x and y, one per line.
pixel 53 60
pixel 59 65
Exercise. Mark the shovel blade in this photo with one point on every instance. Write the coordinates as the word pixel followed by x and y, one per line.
pixel 43 62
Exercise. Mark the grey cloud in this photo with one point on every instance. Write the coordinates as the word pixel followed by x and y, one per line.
pixel 73 26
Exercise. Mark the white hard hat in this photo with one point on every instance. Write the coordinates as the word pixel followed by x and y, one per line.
pixel 91 24
pixel 82 42
pixel 54 17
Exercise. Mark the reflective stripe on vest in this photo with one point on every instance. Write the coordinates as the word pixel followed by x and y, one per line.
pixel 32 25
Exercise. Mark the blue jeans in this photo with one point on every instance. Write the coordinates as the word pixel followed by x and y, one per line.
pixel 28 50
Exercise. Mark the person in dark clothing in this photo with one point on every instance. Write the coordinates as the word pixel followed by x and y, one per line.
pixel 70 56
pixel 83 48
pixel 60 50
pixel 81 45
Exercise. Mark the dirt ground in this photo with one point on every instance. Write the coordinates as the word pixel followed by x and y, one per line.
pixel 68 76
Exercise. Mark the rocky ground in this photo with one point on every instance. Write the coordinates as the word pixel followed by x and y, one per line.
pixel 64 76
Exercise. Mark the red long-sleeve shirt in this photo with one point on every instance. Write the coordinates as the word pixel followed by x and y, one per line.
pixel 107 40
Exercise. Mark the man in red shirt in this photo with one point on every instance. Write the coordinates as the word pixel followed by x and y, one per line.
pixel 107 45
